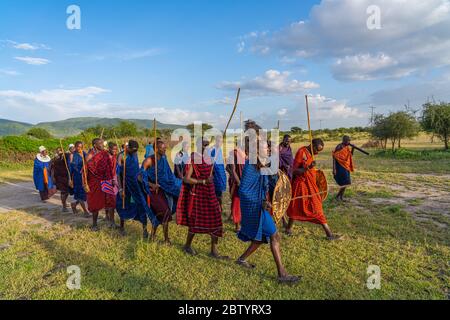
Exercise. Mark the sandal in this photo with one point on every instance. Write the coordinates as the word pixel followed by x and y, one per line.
pixel 335 237
pixel 245 264
pixel 288 279
pixel 190 251
pixel 218 257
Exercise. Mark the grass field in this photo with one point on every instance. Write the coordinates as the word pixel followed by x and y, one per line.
pixel 397 218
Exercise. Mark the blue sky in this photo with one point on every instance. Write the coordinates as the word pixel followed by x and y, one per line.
pixel 182 61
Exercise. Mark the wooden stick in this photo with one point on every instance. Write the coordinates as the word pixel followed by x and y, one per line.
pixel 65 162
pixel 155 147
pixel 86 186
pixel 229 121
pixel 103 131
pixel 309 128
pixel 234 110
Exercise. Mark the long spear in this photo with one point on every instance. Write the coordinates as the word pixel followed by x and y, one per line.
pixel 229 120
pixel 232 113
pixel 309 127
pixel 86 186
pixel 65 162
pixel 155 148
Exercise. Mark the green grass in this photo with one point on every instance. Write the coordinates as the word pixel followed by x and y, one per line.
pixel 412 250
pixel 413 263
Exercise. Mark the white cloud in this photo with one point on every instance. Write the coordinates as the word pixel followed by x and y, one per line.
pixel 9 72
pixel 414 37
pixel 25 46
pixel 327 108
pixel 272 82
pixel 57 104
pixel 282 112
pixel 33 60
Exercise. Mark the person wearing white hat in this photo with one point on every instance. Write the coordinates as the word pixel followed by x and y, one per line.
pixel 41 175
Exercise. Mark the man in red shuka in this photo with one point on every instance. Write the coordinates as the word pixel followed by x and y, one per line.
pixel 99 167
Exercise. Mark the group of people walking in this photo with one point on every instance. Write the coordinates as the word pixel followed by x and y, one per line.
pixel 112 179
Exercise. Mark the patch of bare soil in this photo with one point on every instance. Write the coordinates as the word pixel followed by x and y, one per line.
pixel 23 197
pixel 425 202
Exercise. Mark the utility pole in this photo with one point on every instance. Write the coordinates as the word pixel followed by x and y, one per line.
pixel 372 117
pixel 320 121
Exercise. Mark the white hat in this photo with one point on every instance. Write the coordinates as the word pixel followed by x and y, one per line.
pixel 42 149
pixel 71 146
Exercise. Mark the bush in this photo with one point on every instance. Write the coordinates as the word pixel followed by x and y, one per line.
pixel 39 133
pixel 405 154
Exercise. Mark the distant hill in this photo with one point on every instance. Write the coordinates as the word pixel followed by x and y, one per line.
pixel 74 126
pixel 8 127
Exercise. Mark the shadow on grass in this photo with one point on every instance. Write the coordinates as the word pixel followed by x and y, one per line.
pixel 119 283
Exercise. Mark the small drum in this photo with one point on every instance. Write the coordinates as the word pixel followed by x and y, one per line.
pixel 282 196
pixel 322 184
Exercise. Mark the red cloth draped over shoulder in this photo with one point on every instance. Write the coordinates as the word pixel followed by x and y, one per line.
pixel 239 162
pixel 198 207
pixel 345 158
pixel 99 169
pixel 310 208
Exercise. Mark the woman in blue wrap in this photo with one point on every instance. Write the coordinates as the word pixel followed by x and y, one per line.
pixel 257 225
pixel 136 207
pixel 167 182
pixel 41 175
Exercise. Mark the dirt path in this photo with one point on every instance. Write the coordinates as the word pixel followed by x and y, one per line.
pixel 425 201
pixel 22 196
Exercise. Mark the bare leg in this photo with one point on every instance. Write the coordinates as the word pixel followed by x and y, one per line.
pixel 330 234
pixel 289 226
pixel 83 206
pixel 166 232
pixel 250 250
pixel 236 227
pixel 275 247
pixel 94 220
pixel 283 276
pixel 73 205
pixel 188 245
pixel 122 227
pixel 153 233
pixel 64 196
pixel 214 252
pixel 144 231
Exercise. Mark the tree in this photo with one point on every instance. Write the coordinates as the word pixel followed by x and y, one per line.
pixel 39 133
pixel 395 127
pixel 436 120
pixel 380 129
pixel 205 127
pixel 403 125
pixel 126 129
pixel 296 130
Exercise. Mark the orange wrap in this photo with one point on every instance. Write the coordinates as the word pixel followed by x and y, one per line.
pixel 345 158
pixel 45 176
pixel 307 209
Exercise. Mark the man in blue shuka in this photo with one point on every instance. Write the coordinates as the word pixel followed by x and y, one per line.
pixel 257 225
pixel 134 193
pixel 167 182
